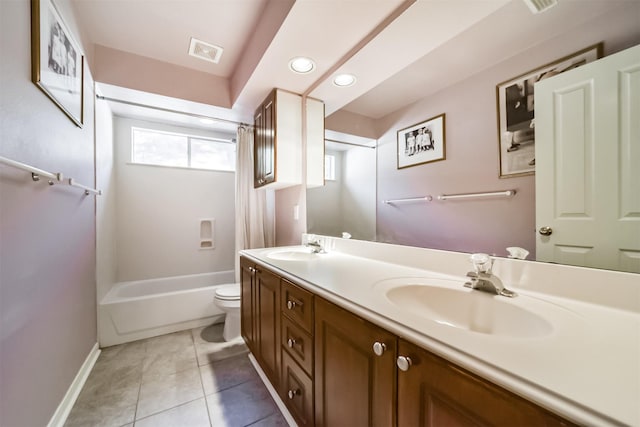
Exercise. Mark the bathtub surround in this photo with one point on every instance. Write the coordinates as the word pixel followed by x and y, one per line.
pixel 159 210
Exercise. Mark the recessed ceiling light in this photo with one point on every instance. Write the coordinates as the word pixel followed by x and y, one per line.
pixel 344 80
pixel 302 65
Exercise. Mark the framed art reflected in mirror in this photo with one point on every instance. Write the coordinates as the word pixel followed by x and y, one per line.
pixel 422 143
pixel 516 119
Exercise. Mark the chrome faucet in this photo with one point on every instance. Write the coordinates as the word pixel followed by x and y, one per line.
pixel 483 279
pixel 315 246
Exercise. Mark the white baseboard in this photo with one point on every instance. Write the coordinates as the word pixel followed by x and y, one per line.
pixel 61 414
pixel 272 391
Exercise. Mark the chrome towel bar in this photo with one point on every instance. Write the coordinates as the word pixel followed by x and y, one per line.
pixel 506 193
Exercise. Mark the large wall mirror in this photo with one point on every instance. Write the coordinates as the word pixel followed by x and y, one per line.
pixel 459 78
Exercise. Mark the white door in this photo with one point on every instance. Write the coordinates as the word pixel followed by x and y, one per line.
pixel 588 164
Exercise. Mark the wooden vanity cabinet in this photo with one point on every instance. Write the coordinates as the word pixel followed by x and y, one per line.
pixel 334 368
pixel 260 317
pixel 297 352
pixel 433 392
pixel 353 385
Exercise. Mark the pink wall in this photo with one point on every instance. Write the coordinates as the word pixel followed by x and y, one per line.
pixel 125 69
pixel 472 154
pixel 351 123
pixel 288 230
pixel 47 235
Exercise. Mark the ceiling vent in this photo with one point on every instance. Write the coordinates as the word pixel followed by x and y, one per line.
pixel 204 50
pixel 539 6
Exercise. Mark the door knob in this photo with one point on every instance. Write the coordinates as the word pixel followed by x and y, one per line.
pixel 403 362
pixel 379 348
pixel 545 231
pixel 291 342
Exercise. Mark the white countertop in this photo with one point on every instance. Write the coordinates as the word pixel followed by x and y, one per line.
pixel 587 369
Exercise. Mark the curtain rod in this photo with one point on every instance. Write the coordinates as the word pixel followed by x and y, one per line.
pixel 349 143
pixel 168 110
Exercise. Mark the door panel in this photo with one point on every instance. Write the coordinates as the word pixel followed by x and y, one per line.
pixel 587 157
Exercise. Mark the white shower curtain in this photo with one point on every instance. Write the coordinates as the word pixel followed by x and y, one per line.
pixel 255 209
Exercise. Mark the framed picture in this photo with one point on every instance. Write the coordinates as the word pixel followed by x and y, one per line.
pixel 516 121
pixel 57 64
pixel 422 143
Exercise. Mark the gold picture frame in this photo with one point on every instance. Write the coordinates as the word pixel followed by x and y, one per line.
pixel 57 63
pixel 422 143
pixel 516 121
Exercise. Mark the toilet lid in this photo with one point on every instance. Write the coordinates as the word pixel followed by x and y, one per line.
pixel 228 292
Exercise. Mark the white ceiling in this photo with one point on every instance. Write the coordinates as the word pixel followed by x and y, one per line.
pixel 400 50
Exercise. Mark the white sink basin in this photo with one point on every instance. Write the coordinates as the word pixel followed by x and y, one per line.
pixel 470 310
pixel 292 255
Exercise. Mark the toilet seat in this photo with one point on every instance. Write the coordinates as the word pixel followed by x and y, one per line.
pixel 228 292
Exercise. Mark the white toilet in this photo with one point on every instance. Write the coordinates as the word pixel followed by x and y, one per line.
pixel 227 298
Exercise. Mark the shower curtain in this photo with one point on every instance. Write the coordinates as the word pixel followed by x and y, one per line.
pixel 255 209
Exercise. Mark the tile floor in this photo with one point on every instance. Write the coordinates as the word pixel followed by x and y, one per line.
pixel 190 378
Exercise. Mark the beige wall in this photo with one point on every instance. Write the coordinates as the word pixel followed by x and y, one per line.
pixel 47 234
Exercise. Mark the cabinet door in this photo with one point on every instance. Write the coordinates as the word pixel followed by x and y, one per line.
pixel 269 141
pixel 353 386
pixel 434 392
pixel 258 150
pixel 264 171
pixel 247 303
pixel 268 306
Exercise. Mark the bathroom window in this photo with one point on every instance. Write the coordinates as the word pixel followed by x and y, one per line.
pixel 330 167
pixel 151 147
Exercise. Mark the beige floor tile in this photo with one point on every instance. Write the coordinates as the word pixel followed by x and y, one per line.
pixel 274 420
pixel 241 405
pixel 226 373
pixel 162 392
pixel 109 395
pixel 211 346
pixel 101 412
pixel 170 342
pixel 192 414
pixel 169 362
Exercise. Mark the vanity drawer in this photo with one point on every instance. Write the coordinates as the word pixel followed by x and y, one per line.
pixel 298 343
pixel 297 305
pixel 297 391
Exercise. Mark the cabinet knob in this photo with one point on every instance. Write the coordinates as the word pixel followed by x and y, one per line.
pixel 404 363
pixel 545 231
pixel 291 342
pixel 293 393
pixel 252 270
pixel 291 304
pixel 379 348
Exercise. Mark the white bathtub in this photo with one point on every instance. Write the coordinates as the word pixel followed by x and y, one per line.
pixel 146 308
